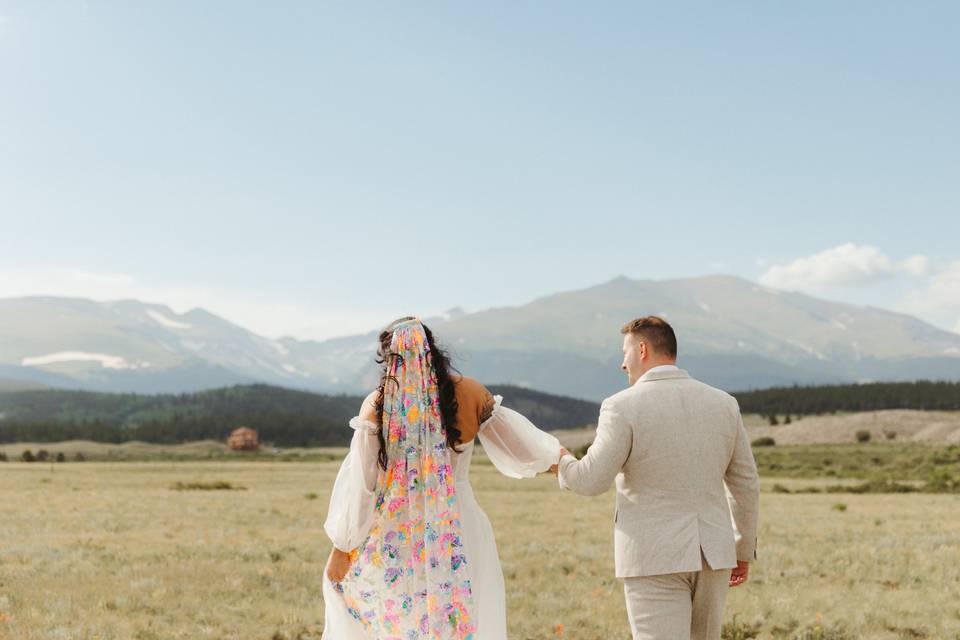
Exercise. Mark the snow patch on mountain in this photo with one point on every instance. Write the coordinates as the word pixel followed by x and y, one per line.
pixel 289 368
pixel 169 323
pixel 106 361
pixel 807 348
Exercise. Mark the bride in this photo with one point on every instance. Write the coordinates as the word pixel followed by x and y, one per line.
pixel 414 556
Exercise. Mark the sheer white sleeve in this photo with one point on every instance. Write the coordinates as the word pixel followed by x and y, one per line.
pixel 516 447
pixel 353 500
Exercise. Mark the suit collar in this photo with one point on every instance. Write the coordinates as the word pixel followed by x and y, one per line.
pixel 663 374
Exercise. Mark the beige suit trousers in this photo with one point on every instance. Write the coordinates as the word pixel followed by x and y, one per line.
pixel 677 606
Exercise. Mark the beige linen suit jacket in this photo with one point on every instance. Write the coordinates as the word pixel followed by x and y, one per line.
pixel 683 467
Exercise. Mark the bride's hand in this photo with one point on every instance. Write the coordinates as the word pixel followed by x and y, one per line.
pixel 338 565
pixel 553 468
pixel 739 574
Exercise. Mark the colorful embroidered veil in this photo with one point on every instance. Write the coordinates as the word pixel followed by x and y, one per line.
pixel 409 580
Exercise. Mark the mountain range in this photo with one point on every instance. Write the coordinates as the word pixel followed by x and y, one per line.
pixel 732 333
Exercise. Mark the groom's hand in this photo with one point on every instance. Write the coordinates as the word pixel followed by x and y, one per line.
pixel 338 565
pixel 738 575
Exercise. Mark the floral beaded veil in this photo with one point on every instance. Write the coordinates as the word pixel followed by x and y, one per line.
pixel 408 580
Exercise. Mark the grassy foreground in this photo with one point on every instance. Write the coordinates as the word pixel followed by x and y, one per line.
pixel 118 551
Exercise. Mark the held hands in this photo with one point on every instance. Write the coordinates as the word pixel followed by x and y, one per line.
pixel 553 468
pixel 738 575
pixel 338 565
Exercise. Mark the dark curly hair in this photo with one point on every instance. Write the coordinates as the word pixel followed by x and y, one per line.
pixel 440 361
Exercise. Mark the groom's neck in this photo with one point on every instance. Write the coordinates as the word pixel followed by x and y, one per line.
pixel 659 362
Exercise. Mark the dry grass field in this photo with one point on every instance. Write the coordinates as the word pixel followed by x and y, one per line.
pixel 111 551
pixel 895 426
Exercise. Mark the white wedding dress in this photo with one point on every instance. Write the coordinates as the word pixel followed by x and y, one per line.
pixel 516 447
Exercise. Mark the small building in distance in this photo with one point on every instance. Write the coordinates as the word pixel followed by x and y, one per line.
pixel 243 439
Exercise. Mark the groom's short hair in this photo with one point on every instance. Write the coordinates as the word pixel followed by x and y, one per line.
pixel 656 332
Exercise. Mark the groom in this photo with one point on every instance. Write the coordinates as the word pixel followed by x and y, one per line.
pixel 683 466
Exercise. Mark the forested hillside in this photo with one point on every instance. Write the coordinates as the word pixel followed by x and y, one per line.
pixel 282 416
pixel 923 396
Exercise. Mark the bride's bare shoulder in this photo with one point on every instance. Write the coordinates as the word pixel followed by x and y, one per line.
pixel 468 386
pixel 475 398
pixel 368 410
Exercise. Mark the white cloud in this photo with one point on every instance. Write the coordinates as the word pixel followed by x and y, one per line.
pixel 256 312
pixel 847 264
pixel 934 289
pixel 916 266
pixel 940 296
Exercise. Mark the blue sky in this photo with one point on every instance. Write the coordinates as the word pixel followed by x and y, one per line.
pixel 316 168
